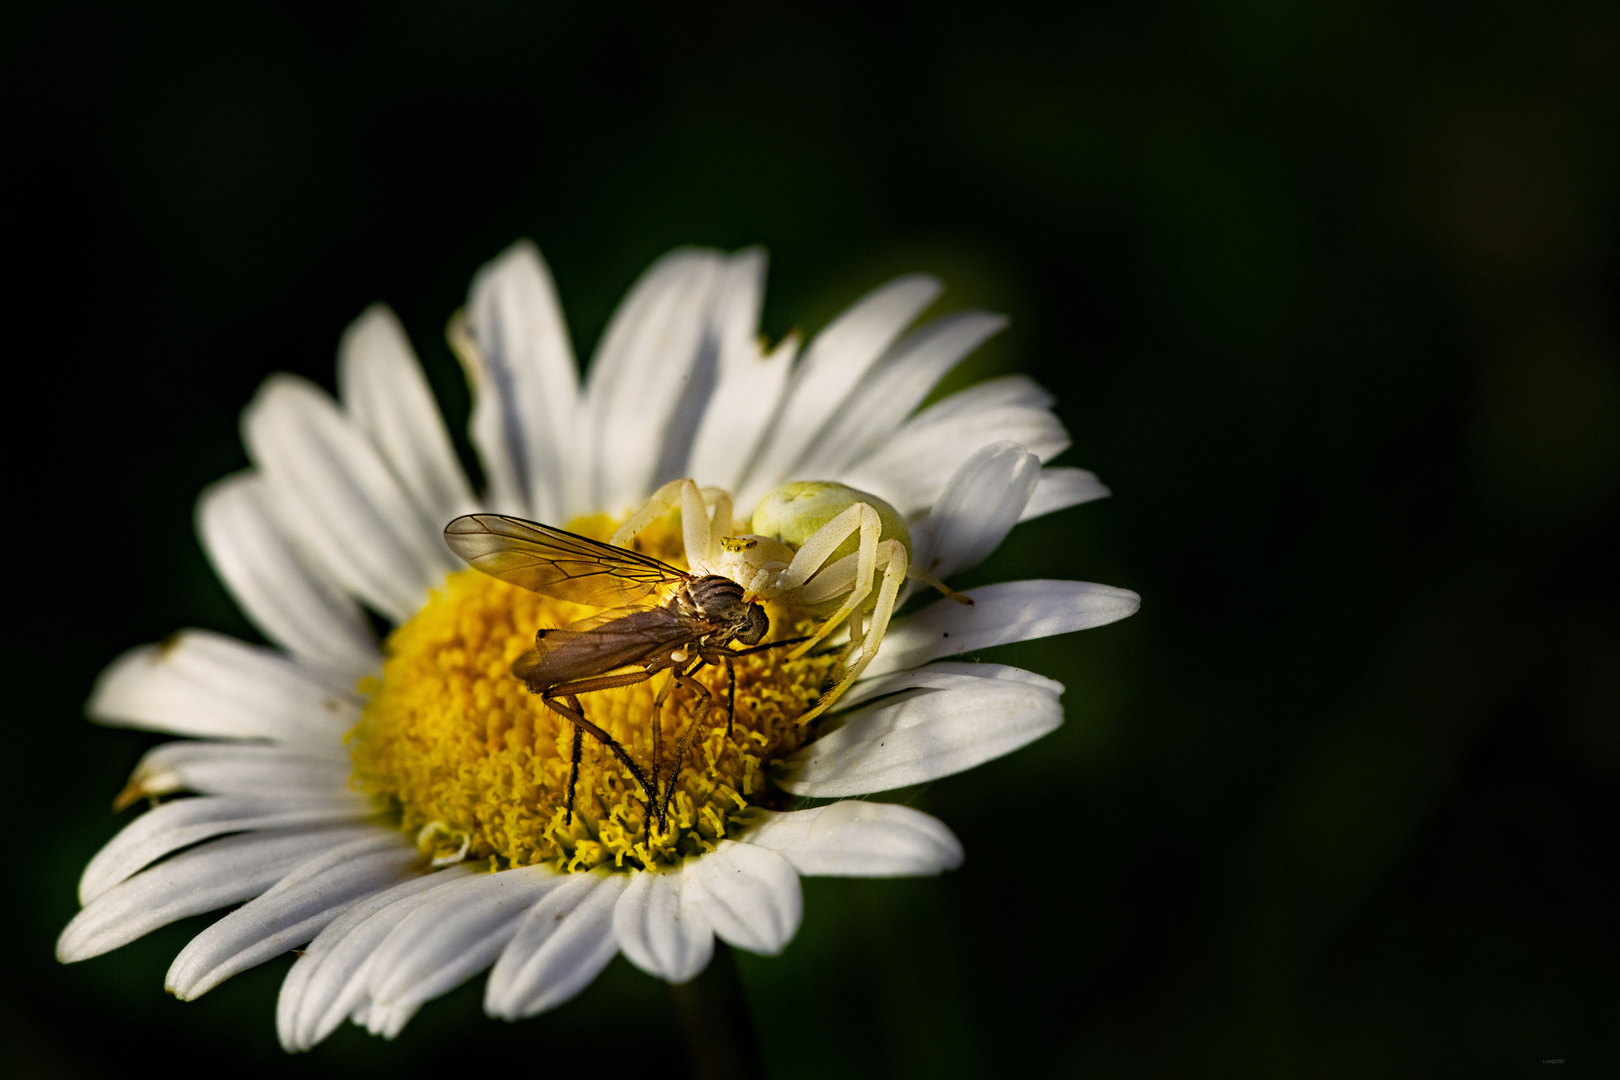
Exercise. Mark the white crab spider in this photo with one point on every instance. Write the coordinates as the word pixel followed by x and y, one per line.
pixel 797 557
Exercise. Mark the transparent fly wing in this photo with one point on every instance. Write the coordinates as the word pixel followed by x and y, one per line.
pixel 557 563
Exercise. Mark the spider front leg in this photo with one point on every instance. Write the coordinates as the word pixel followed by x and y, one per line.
pixel 819 547
pixel 892 555
pixel 815 519
pixel 706 517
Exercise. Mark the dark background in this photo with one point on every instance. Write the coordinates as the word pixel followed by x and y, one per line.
pixel 1327 294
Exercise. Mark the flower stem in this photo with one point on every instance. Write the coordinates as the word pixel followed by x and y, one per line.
pixel 719 1028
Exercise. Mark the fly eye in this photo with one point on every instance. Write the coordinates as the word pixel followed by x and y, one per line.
pixel 759 624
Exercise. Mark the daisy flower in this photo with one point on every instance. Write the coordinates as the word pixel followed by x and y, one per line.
pixel 402 808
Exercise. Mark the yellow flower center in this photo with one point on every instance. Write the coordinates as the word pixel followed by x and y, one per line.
pixel 477 767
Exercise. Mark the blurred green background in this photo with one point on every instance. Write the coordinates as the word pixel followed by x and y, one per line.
pixel 1328 294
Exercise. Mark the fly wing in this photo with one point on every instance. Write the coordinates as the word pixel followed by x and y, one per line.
pixel 603 643
pixel 557 563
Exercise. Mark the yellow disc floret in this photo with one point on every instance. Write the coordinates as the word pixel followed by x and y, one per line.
pixel 477 767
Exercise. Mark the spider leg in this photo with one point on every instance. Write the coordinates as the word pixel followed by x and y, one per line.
pixel 894 574
pixel 722 520
pixel 861 516
pixel 699 535
pixel 923 577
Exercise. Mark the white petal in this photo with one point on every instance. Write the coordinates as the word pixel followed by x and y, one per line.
pixel 386 1019
pixel 737 304
pixel 454 935
pixel 992 395
pixel 748 383
pixel 912 469
pixel 292 912
pixel 895 386
pixel 831 367
pixel 176 824
pixel 855 838
pixel 731 329
pixel 210 876
pixel 641 375
pixel 284 594
pixel 329 981
pixel 661 927
pixel 202 683
pixel 921 735
pixel 562 944
pixel 1034 428
pixel 334 493
pixel 384 390
pixel 942 675
pixel 750 895
pixel 1060 489
pixel 980 505
pixel 525 387
pixel 1009 611
pixel 214 768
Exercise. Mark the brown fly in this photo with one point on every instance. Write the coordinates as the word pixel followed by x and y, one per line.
pixel 659 618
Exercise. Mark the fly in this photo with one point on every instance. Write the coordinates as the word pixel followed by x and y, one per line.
pixel 694 625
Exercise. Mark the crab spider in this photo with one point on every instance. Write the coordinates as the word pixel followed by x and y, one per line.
pixel 815 542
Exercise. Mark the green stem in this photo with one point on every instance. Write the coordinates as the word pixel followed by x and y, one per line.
pixel 719 1028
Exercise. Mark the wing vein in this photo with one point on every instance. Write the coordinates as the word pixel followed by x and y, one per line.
pixel 556 562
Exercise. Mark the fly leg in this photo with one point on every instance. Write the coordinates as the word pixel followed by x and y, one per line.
pixel 729 657
pixel 573 765
pixel 563 698
pixel 731 695
pixel 658 728
pixel 706 702
pixel 752 649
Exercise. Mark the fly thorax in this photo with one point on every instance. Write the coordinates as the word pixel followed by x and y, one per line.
pixel 721 600
pixel 715 598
